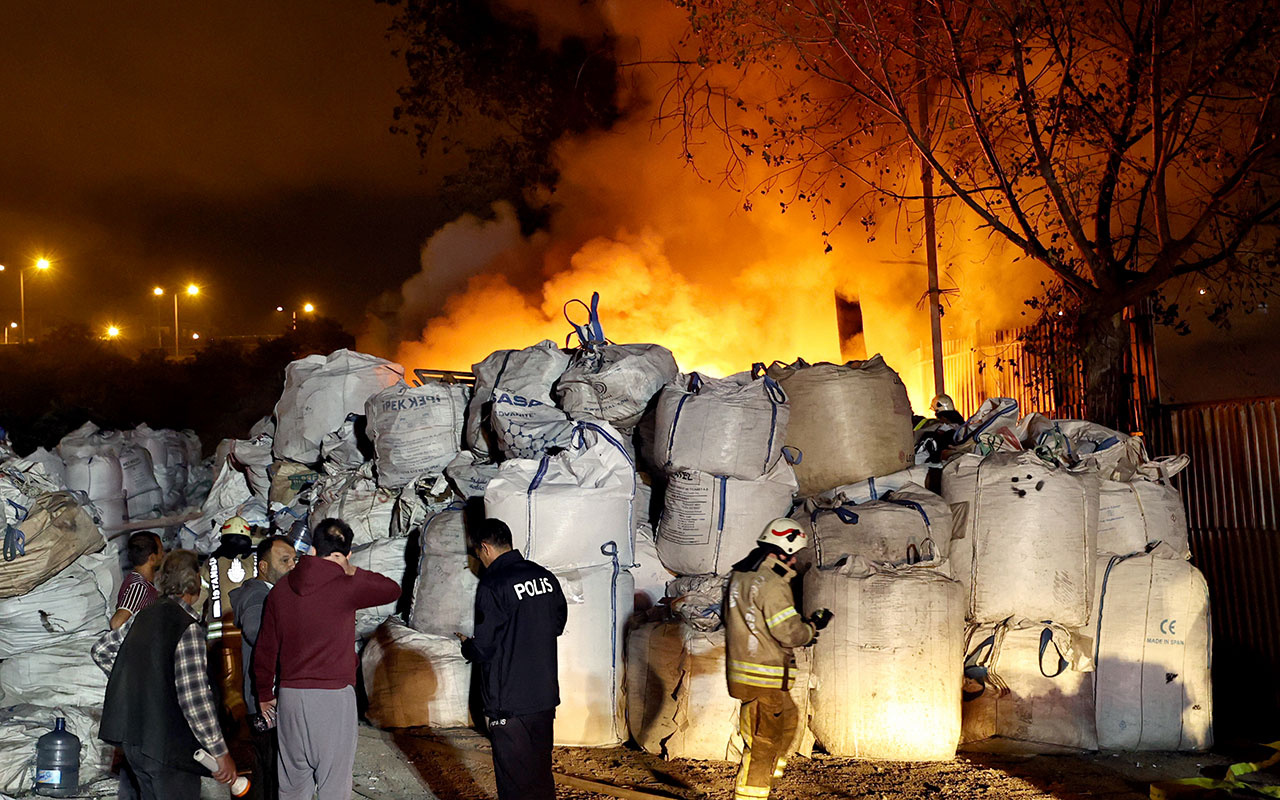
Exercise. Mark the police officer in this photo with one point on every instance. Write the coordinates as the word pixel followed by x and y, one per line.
pixel 520 610
pixel 763 627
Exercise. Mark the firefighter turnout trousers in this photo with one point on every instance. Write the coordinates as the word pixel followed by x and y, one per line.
pixel 768 725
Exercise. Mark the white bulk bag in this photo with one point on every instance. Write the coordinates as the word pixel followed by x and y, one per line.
pixel 731 426
pixel 80 598
pixel 356 499
pixel 229 497
pixel 524 418
pixel 592 695
pixel 698 600
pixel 709 522
pixel 614 382
pixel 906 526
pixel 1134 514
pixel 251 458
pixel 470 474
pixel 142 495
pixel 1152 653
pixel 318 395
pixel 571 509
pixel 444 596
pixel 385 557
pixel 340 448
pixel 415 429
pixel 1022 684
pixel 100 478
pixel 649 574
pixel 168 451
pixel 1113 455
pixel 874 488
pixel 56 531
pixel 61 674
pixel 887 670
pixel 415 679
pixel 849 422
pixel 1034 532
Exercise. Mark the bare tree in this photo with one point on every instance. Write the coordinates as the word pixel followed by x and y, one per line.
pixel 1121 144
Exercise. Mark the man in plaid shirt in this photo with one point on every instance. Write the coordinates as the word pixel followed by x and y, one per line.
pixel 159 707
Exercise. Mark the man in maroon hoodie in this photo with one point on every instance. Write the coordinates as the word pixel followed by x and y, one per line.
pixel 306 646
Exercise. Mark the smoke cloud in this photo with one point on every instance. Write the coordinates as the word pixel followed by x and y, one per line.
pixel 678 261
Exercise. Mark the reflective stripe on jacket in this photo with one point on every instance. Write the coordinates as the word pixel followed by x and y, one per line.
pixel 763 626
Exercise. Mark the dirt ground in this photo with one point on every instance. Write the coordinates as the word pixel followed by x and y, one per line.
pixel 456 765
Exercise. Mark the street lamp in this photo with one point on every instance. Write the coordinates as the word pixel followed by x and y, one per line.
pixel 191 291
pixel 307 308
pixel 112 331
pixel 40 265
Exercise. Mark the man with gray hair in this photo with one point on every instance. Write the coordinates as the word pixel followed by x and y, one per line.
pixel 159 707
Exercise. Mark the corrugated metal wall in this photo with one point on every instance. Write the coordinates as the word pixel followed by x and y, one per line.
pixel 1232 495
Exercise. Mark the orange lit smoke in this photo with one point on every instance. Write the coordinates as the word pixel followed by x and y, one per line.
pixel 678 262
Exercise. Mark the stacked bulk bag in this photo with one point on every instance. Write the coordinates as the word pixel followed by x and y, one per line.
pixel 849 422
pixel 415 429
pixel 698 600
pixel 385 557
pixel 733 426
pixel 709 522
pixel 444 594
pixel 1032 529
pixel 319 393
pixel 415 679
pixel 592 710
pixel 78 599
pixel 1141 512
pixel 512 403
pixel 614 382
pixel 57 531
pixel 611 382
pixel 169 453
pixel 357 500
pixel 571 509
pixel 1152 654
pixel 1023 684
pixel 469 474
pixel 250 457
pixel 887 670
pixel 909 525
pixel 62 673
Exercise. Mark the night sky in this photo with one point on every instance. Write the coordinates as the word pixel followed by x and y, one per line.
pixel 241 145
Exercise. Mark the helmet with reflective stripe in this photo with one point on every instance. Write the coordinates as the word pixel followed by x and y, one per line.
pixel 942 402
pixel 784 534
pixel 235 525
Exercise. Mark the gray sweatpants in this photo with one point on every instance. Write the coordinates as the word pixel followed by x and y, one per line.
pixel 317 729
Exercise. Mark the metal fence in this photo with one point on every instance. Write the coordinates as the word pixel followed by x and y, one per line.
pixel 1232 495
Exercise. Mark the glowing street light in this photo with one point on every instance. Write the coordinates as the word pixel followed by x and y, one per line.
pixel 191 291
pixel 41 264
pixel 112 331
pixel 307 308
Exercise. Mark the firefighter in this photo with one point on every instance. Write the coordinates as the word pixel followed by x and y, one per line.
pixel 764 628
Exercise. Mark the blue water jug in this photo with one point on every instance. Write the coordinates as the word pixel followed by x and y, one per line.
pixel 58 762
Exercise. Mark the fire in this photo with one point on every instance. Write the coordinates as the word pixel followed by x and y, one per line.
pixel 678 262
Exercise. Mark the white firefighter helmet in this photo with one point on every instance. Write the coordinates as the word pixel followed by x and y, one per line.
pixel 235 525
pixel 942 402
pixel 785 534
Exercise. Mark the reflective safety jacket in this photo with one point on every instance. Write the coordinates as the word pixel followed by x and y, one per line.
pixel 763 626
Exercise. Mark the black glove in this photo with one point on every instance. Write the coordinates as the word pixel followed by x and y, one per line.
pixel 821 618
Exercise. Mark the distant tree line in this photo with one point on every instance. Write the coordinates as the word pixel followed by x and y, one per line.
pixel 50 388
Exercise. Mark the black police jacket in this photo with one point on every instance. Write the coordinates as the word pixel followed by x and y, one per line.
pixel 520 610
